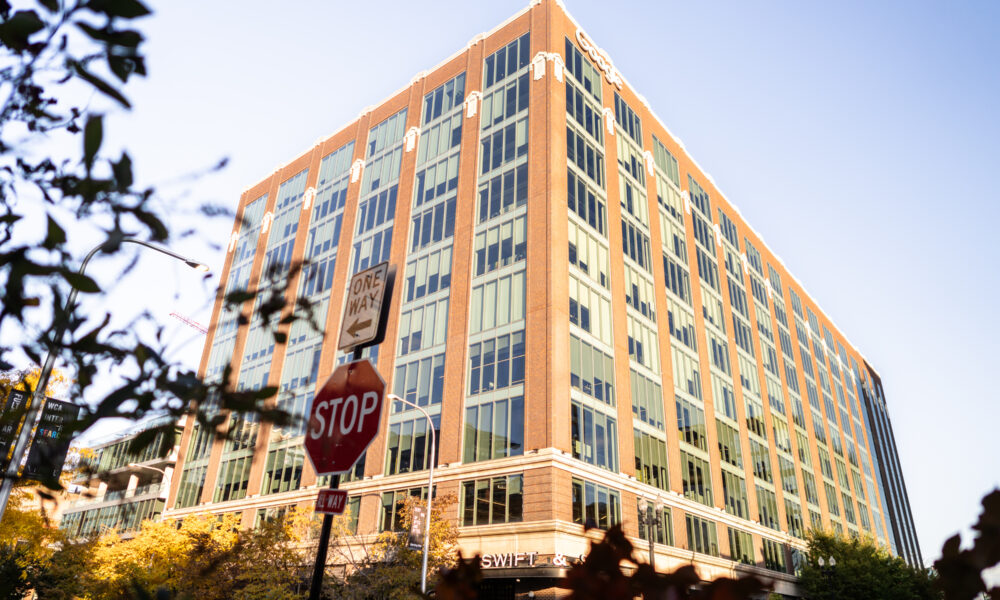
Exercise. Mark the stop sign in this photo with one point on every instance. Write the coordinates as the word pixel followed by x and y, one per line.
pixel 344 418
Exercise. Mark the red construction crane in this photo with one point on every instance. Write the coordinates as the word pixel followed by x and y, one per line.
pixel 189 322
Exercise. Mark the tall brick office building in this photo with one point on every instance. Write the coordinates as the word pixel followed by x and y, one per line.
pixel 591 323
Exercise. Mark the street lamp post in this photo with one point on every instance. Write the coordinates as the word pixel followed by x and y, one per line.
pixel 826 567
pixel 650 520
pixel 430 489
pixel 38 395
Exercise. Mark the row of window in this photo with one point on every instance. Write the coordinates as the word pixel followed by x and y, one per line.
pixel 594 436
pixel 436 180
pixel 496 363
pixel 503 146
pixel 433 225
pixel 587 157
pixel 494 429
pixel 503 192
pixel 505 102
pixel 500 245
pixel 500 499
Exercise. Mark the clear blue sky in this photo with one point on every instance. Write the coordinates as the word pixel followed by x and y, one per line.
pixel 859 138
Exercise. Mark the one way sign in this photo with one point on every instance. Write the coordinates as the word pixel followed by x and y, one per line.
pixel 367 306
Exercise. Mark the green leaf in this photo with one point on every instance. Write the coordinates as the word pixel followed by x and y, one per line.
pixel 93 134
pixel 123 171
pixel 102 86
pixel 56 235
pixel 15 31
pixel 126 9
pixel 239 296
pixel 81 282
pixel 156 227
pixel 127 38
pixel 121 66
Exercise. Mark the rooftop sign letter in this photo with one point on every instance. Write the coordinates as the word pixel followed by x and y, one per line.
pixel 600 58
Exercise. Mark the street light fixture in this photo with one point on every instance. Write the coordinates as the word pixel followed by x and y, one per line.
pixel 430 488
pixel 50 358
pixel 650 519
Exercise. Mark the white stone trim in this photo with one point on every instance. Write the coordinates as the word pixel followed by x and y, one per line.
pixel 609 120
pixel 472 101
pixel 308 197
pixel 411 138
pixel 557 65
pixel 356 168
pixel 538 65
pixel 648 156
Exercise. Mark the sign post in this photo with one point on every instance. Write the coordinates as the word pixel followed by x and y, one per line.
pixel 347 411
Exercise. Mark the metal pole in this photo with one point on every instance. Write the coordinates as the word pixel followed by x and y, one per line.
pixel 319 568
pixel 650 522
pixel 324 543
pixel 427 525
pixel 430 489
pixel 38 395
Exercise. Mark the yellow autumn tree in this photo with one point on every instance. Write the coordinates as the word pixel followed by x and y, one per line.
pixel 28 380
pixel 203 557
pixel 388 569
pixel 26 538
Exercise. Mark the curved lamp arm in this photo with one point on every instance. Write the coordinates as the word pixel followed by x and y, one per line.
pixel 430 487
pixel 50 359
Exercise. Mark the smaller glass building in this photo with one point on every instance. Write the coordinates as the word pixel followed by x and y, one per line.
pixel 120 486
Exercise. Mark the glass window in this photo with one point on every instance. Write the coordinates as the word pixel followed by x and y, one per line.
pixel 496 363
pixel 494 429
pixel 701 535
pixel 492 501
pixel 507 61
pixel 741 546
pixel 697 478
pixel 594 437
pixel 594 505
pixel 650 459
pixel 591 371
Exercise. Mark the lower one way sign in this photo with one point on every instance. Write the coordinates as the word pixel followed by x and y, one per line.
pixel 331 502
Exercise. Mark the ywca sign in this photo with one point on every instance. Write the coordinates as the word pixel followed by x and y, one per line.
pixel 600 58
